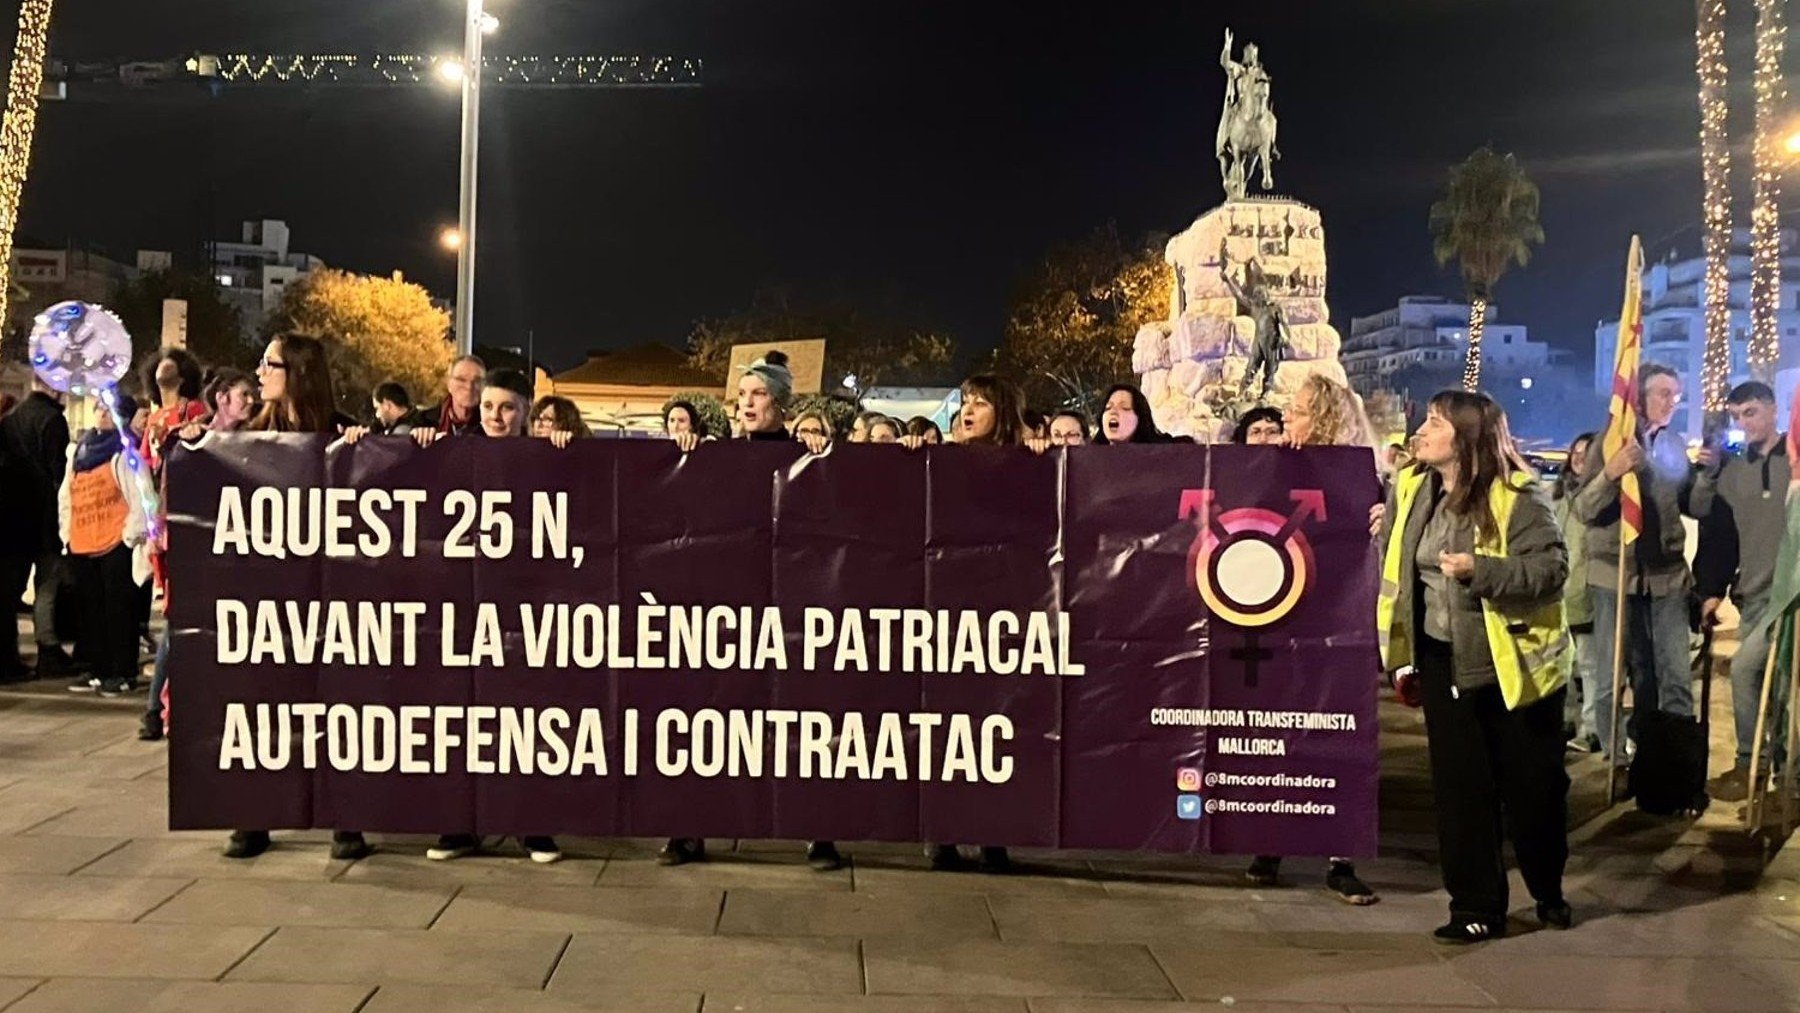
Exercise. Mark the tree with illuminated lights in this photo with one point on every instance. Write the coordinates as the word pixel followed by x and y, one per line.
pixel 377 328
pixel 1765 212
pixel 1715 202
pixel 1486 222
pixel 20 123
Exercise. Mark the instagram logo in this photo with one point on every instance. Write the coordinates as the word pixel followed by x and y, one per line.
pixel 1187 779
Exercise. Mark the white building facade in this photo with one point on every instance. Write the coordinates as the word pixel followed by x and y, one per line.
pixel 254 273
pixel 1431 333
pixel 1675 324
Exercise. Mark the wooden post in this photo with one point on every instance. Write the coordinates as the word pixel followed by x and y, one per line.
pixel 1758 784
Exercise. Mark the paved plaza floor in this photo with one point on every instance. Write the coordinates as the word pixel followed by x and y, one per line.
pixel 102 908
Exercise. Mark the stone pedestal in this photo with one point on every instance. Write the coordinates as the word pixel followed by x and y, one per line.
pixel 1190 365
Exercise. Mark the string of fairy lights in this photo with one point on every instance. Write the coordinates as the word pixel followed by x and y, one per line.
pixel 22 86
pixel 1765 213
pixel 415 68
pixel 1715 171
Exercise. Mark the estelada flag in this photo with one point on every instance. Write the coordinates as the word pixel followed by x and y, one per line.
pixel 1621 420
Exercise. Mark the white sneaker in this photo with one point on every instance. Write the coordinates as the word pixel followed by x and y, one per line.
pixel 543 850
pixel 452 846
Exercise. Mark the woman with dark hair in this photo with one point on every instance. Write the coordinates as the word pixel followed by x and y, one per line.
pixel 682 417
pixel 1472 599
pixel 1125 418
pixel 992 415
pixel 297 398
pixel 554 415
pixel 296 388
pixel 1259 427
pixel 1068 428
pixel 925 429
pixel 172 381
pixel 859 426
pixel 1581 710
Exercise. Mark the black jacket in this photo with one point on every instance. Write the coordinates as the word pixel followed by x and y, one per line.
pixel 34 442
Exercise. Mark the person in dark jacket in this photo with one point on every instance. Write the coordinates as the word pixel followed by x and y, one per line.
pixel 34 442
pixel 1472 599
pixel 459 413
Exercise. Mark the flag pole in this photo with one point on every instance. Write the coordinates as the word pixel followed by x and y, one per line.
pixel 1759 785
pixel 1786 781
pixel 1618 673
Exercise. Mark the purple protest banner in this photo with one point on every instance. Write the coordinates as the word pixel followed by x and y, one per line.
pixel 1163 648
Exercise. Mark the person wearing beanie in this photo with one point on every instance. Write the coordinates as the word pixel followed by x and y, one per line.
pixel 765 399
pixel 102 523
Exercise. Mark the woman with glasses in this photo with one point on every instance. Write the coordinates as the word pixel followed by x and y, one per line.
pixel 556 418
pixel 296 398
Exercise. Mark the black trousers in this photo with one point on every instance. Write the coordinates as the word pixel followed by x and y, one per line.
pixel 109 600
pixel 1491 767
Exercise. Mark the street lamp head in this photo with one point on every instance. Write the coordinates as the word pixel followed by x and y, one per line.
pixel 1792 143
pixel 450 238
pixel 449 70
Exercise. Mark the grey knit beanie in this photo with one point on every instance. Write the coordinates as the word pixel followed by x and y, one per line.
pixel 772 369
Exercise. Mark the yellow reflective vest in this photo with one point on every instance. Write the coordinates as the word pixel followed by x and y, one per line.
pixel 1531 645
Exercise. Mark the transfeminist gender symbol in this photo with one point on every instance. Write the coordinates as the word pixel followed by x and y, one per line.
pixel 1250 565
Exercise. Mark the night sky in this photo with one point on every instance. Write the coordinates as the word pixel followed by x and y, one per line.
pixel 910 153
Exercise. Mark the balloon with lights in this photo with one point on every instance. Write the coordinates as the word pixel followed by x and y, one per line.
pixel 83 349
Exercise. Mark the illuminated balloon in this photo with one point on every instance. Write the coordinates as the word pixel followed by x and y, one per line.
pixel 79 348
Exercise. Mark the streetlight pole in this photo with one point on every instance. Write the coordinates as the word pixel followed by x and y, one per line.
pixel 471 144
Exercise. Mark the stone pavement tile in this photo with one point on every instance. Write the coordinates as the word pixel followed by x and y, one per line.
pixel 603 964
pixel 727 871
pixel 1729 927
pixel 727 1002
pixel 376 956
pixel 12 988
pixel 1410 940
pixel 92 769
pixel 18 816
pixel 49 855
pixel 861 915
pixel 197 856
pixel 1314 976
pixel 1115 919
pixel 139 815
pixel 426 999
pixel 494 907
pixel 270 902
pixel 411 869
pixel 103 950
pixel 87 995
pixel 976 967
pixel 1321 911
pixel 81 898
pixel 1618 983
pixel 1134 1006
pixel 894 876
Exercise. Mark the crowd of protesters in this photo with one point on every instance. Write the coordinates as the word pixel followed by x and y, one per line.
pixel 1497 607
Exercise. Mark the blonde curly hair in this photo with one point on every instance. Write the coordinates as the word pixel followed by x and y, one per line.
pixel 1338 419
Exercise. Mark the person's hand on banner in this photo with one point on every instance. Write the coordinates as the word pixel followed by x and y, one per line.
pixel 560 438
pixel 1457 565
pixel 815 443
pixel 1625 461
pixel 686 442
pixel 1038 444
pixel 1377 514
pixel 353 434
pixel 912 442
pixel 425 437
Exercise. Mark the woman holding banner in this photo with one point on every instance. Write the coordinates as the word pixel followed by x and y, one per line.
pixel 1471 597
pixel 297 398
pixel 1323 413
pixel 765 399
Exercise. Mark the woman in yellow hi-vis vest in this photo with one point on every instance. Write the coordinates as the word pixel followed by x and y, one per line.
pixel 1471 599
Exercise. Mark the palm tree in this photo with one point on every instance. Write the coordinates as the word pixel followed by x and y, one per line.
pixel 1486 221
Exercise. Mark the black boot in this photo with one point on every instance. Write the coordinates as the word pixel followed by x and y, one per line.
pixel 823 856
pixel 247 843
pixel 348 846
pixel 681 851
pixel 995 859
pixel 944 857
